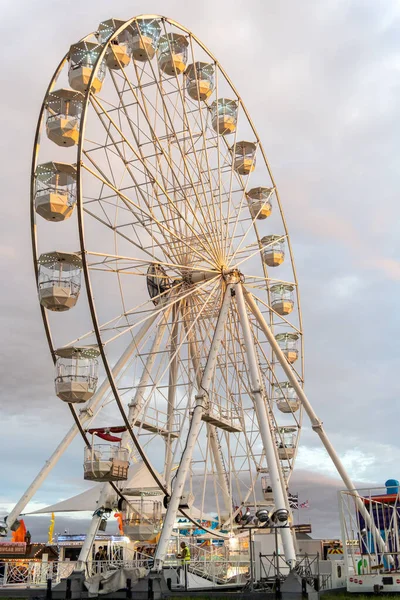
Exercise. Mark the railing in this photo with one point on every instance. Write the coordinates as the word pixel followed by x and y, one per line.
pixel 33 573
pixel 218 570
pixel 36 573
pixel 273 567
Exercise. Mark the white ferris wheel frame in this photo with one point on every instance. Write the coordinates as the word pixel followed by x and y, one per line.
pixel 232 281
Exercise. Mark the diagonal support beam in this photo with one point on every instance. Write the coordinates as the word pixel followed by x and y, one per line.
pixel 316 423
pixel 85 416
pixel 107 494
pixel 265 429
pixel 194 429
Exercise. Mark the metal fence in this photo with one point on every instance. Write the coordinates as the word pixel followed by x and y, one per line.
pixel 214 569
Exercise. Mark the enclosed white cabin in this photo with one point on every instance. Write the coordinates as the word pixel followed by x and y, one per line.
pixel 282 298
pixel 106 462
pixel 76 373
pixel 83 57
pixel 145 36
pixel 172 53
pixel 224 115
pixel 142 517
pixel 288 344
pixel 55 190
pixel 244 157
pixel 260 206
pixel 118 55
pixel 286 397
pixel 64 109
pixel 267 489
pixel 286 442
pixel 59 280
pixel 273 252
pixel 199 80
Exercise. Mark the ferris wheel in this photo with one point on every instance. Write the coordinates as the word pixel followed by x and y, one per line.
pixel 159 236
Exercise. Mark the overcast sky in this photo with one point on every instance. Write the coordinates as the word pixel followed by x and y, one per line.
pixel 321 82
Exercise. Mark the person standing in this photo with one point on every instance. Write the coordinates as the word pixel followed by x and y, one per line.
pixel 184 556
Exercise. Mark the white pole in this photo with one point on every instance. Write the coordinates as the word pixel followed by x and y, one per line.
pixel 107 494
pixel 211 431
pixel 172 378
pixel 137 403
pixel 316 423
pixel 104 501
pixel 201 402
pixel 85 415
pixel 265 427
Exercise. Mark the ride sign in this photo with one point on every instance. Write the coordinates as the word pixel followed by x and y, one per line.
pixel 12 547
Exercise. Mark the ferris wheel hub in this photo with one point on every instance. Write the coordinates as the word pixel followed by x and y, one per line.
pixel 232 276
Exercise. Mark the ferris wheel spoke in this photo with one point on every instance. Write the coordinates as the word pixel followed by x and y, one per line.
pixel 157 184
pixel 169 303
pixel 247 452
pixel 108 260
pixel 176 170
pixel 123 197
pixel 172 132
pixel 185 152
pixel 166 184
pixel 144 212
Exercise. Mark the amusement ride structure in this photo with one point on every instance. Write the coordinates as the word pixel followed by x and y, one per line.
pixel 167 288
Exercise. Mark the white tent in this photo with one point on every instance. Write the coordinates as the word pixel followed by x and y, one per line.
pixel 139 480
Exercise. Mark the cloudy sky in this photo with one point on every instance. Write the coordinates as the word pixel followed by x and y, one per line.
pixel 321 80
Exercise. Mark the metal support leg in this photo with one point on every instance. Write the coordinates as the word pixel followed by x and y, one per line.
pixel 85 415
pixel 107 494
pixel 315 421
pixel 201 401
pixel 105 499
pixel 264 425
pixel 172 378
pixel 211 431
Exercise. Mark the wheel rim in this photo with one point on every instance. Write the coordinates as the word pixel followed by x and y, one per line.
pixel 195 235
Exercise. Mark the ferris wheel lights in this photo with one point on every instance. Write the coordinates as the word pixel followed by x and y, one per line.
pixel 286 397
pixel 59 280
pixel 106 462
pixel 172 53
pixel 145 36
pixel 244 157
pixel 224 115
pixel 76 373
pixel 199 80
pixel 260 206
pixel 288 345
pixel 282 298
pixel 64 108
pixel 55 190
pixel 263 516
pixel 280 516
pixel 273 252
pixel 82 59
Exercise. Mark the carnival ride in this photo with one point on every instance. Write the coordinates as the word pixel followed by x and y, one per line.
pixel 158 233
